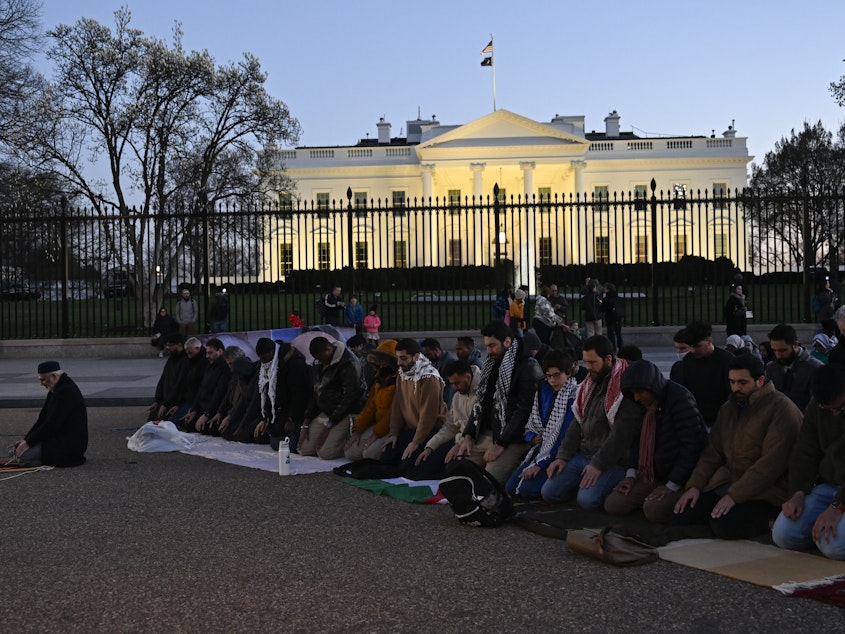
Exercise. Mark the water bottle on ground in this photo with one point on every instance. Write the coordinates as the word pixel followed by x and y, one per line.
pixel 284 457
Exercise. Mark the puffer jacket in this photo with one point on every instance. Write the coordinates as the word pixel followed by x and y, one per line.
pixel 338 386
pixel 680 436
pixel 749 448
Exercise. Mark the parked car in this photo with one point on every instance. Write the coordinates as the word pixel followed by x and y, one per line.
pixel 13 291
pixel 119 287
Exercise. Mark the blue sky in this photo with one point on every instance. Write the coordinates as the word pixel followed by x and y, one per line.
pixel 667 67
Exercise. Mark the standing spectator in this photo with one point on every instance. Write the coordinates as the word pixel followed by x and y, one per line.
pixel 372 322
pixel 187 314
pixel 825 302
pixel 613 309
pixel 218 317
pixel 735 309
pixel 591 309
pixel 163 327
pixel 545 318
pixel 354 314
pixel 333 306
pixel 558 303
pixel 501 309
pixel 517 312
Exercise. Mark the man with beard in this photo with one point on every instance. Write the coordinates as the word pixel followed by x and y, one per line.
pixel 792 369
pixel 284 387
pixel 212 390
pixel 59 437
pixel 170 383
pixel 418 408
pixel 739 482
pixel 493 437
pixel 589 462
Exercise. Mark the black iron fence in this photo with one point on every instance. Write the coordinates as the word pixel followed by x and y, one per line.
pixel 672 256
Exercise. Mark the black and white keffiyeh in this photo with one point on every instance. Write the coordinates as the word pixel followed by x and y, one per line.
pixel 421 369
pixel 503 384
pixel 555 421
pixel 267 377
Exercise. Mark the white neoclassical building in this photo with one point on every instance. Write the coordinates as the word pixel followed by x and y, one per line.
pixel 432 163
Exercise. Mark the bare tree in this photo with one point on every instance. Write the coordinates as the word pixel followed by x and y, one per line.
pixel 20 38
pixel 176 132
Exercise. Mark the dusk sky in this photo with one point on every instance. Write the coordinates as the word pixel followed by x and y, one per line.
pixel 668 68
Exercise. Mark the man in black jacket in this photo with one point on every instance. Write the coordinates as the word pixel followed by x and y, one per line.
pixel 212 390
pixel 59 437
pixel 670 442
pixel 704 370
pixel 171 382
pixel 338 394
pixel 284 388
pixel 493 437
pixel 195 365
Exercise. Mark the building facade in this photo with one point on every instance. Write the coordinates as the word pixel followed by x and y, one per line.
pixel 565 184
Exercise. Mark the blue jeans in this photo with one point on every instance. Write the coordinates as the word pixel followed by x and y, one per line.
pixel 566 485
pixel 526 489
pixel 797 534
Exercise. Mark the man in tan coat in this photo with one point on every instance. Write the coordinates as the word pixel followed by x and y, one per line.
pixel 418 407
pixel 739 482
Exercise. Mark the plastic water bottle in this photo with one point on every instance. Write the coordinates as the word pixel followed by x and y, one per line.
pixel 284 457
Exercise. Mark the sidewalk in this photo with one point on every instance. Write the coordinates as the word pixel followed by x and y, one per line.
pixel 132 381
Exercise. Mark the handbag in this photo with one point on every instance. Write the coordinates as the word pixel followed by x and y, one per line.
pixel 612 545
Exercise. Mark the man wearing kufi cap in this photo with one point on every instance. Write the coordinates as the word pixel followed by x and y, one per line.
pixel 59 437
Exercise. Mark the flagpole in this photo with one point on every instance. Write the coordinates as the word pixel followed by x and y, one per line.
pixel 493 68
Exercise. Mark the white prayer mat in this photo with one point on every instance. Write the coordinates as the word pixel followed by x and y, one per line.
pixel 164 436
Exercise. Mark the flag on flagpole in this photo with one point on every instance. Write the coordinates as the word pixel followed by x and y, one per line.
pixel 488 48
pixel 487 61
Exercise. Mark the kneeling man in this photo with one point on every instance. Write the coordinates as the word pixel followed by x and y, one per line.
pixel 59 437
pixel 814 511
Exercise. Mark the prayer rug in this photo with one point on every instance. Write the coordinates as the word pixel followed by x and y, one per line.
pixel 830 590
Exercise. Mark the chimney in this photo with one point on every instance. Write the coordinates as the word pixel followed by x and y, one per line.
pixel 611 124
pixel 383 131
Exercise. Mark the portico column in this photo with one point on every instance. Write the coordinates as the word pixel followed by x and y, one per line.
pixel 578 167
pixel 425 223
pixel 479 254
pixel 526 272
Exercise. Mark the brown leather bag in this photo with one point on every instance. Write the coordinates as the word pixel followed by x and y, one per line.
pixel 611 544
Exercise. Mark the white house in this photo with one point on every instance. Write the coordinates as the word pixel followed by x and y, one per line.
pixel 530 161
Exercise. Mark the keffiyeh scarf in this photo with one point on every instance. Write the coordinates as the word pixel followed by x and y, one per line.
pixel 267 377
pixel 421 369
pixel 503 384
pixel 613 398
pixel 554 422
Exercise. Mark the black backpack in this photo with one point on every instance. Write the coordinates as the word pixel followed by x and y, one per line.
pixel 475 496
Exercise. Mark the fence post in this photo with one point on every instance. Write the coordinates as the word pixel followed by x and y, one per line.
pixel 65 270
pixel 496 212
pixel 655 300
pixel 350 240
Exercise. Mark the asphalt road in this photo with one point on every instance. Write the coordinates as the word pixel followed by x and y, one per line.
pixel 174 543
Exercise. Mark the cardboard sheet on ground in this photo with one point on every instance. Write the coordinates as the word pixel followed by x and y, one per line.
pixel 164 436
pixel 752 562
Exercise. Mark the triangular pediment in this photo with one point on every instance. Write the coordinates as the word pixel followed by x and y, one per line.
pixel 502 129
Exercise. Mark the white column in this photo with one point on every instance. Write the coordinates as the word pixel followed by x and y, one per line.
pixel 480 255
pixel 579 166
pixel 426 219
pixel 526 272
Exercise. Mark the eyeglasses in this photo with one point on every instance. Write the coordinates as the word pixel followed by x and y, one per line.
pixel 553 375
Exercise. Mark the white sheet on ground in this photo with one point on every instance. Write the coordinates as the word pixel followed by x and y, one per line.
pixel 163 436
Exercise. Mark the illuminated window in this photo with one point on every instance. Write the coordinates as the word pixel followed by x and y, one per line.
pixel 680 245
pixel 601 195
pixel 400 254
pixel 324 255
pixel 455 253
pixel 286 257
pixel 545 248
pixel 602 249
pixel 642 248
pixel 362 258
pixel 720 245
